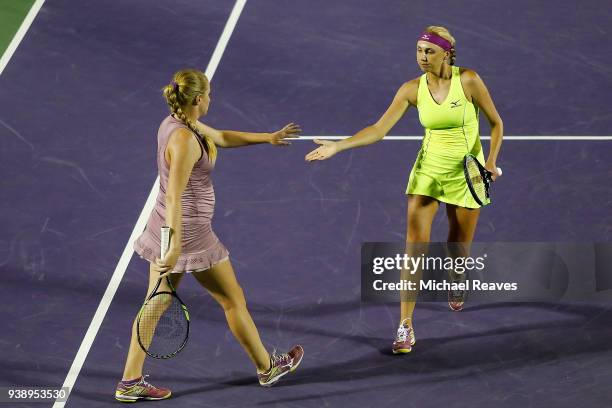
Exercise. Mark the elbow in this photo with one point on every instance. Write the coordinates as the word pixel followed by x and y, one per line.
pixel 497 127
pixel 223 141
pixel 378 132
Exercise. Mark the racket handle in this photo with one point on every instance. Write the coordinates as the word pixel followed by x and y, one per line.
pixel 164 241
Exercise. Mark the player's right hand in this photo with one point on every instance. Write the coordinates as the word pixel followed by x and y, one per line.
pixel 165 266
pixel 325 151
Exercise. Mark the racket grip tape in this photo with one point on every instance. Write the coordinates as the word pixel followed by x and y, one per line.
pixel 164 241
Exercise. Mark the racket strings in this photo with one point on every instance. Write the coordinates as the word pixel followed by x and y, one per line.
pixel 476 179
pixel 163 325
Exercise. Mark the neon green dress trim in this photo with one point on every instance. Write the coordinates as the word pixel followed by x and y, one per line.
pixel 451 131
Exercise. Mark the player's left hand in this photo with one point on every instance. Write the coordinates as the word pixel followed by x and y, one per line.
pixel 291 131
pixel 495 171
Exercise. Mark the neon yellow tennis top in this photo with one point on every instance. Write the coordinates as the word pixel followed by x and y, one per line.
pixel 451 131
pixel 453 124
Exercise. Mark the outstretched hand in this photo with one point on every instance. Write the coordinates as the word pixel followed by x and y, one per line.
pixel 325 151
pixel 291 131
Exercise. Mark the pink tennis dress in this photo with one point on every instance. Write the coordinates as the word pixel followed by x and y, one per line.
pixel 200 247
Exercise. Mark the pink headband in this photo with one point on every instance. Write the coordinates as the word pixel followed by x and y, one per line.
pixel 436 39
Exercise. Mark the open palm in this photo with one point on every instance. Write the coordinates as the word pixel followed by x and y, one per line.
pixel 325 151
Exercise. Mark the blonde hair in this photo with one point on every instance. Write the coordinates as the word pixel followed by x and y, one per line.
pixel 186 85
pixel 444 33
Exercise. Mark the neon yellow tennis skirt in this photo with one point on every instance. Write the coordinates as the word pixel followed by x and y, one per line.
pixel 438 173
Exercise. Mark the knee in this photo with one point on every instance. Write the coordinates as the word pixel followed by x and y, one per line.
pixel 232 301
pixel 161 301
pixel 456 234
pixel 415 236
pixel 417 233
pixel 157 305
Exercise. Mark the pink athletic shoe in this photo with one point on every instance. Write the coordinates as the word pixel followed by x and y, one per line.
pixel 281 364
pixel 456 298
pixel 139 389
pixel 404 339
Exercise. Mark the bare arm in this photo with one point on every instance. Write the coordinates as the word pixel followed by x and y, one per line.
pixel 481 98
pixel 232 138
pixel 404 98
pixel 183 151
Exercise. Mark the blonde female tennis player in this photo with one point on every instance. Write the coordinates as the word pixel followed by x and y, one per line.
pixel 186 153
pixel 448 99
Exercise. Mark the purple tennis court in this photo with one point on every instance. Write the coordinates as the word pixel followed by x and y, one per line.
pixel 80 107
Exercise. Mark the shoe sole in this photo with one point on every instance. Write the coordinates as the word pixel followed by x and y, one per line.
pixel 403 351
pixel 271 383
pixel 135 399
pixel 455 309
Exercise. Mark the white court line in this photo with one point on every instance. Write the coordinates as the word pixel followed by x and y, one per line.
pixel 111 289
pixel 566 138
pixel 23 29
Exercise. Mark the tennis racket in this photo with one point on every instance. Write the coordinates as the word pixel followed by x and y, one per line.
pixel 163 320
pixel 478 178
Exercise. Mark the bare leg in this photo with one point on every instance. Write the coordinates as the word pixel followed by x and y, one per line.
pixel 421 212
pixel 462 223
pixel 221 282
pixel 462 226
pixel 136 356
